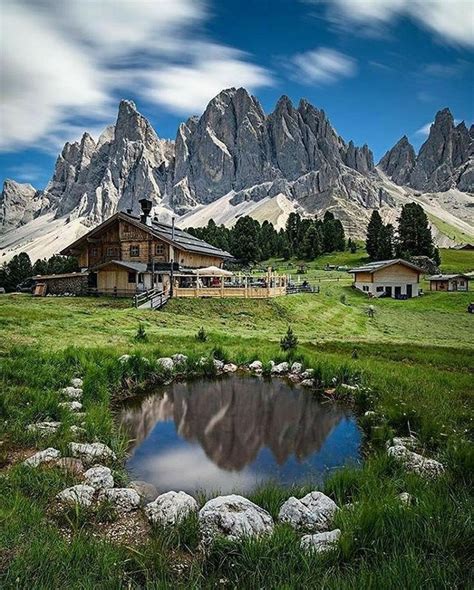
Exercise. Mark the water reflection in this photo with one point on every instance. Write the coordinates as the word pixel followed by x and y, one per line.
pixel 233 433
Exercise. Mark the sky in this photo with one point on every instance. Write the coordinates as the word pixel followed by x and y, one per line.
pixel 379 68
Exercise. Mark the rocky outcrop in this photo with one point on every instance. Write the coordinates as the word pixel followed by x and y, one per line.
pixel 49 454
pixel 99 477
pixel 320 542
pixel 170 508
pixel 91 452
pixel 398 163
pixel 314 512
pixel 19 204
pixel 445 160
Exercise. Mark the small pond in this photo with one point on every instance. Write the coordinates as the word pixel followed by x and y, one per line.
pixel 234 433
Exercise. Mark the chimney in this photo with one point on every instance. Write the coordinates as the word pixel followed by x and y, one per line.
pixel 146 206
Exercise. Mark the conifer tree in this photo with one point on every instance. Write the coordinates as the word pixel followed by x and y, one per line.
pixel 414 233
pixel 373 235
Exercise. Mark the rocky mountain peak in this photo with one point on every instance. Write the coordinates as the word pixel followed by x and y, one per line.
pixel 398 163
pixel 19 204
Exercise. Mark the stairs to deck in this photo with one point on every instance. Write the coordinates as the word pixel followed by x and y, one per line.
pixel 151 299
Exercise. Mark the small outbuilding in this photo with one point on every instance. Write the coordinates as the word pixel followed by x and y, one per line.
pixel 454 282
pixel 395 278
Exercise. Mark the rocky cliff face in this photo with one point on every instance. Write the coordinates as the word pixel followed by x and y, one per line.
pixel 19 204
pixel 445 160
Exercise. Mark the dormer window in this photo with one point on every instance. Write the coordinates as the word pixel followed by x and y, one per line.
pixel 160 249
pixel 134 250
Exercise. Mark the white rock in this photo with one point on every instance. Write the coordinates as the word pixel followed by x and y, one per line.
pixel 123 499
pixel 320 542
pixel 296 368
pixel 256 366
pixel 349 387
pixel 79 494
pixel 77 382
pixel 307 383
pixel 99 477
pixel 233 517
pixel 409 442
pixel 170 508
pixel 280 369
pixel 77 430
pixel 312 513
pixel 406 498
pixel 166 363
pixel 218 365
pixel 308 374
pixel 124 358
pixel 73 406
pixel 179 359
pixel 229 368
pixel 416 463
pixel 40 457
pixel 44 428
pixel 72 392
pixel 91 452
pixel 370 414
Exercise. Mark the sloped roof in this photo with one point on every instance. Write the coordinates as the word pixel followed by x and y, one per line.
pixel 179 238
pixel 129 265
pixel 447 277
pixel 372 267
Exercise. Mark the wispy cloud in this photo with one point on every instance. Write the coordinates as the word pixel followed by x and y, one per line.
pixel 63 60
pixel 450 20
pixel 425 130
pixel 322 65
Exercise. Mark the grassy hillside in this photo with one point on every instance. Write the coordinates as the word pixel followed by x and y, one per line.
pixel 416 356
pixel 448 230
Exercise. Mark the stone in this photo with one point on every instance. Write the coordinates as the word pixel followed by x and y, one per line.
pixel 73 393
pixel 44 428
pixel 124 358
pixel 415 463
pixel 218 364
pixel 166 363
pixel 77 430
pixel 123 499
pixel 314 512
pixel 280 369
pixel 296 368
pixel 73 406
pixel 409 442
pixel 230 368
pixel 91 452
pixel 170 508
pixel 70 464
pixel 308 374
pixel 79 494
pixel 40 457
pixel 77 382
pixel 179 359
pixel 256 366
pixel 99 477
pixel 294 378
pixel 398 162
pixel 233 517
pixel 406 498
pixel 320 542
pixel 349 387
pixel 147 491
pixel 370 414
pixel 19 204
pixel 307 383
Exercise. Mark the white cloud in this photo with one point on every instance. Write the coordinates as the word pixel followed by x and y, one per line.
pixel 323 66
pixel 425 130
pixel 60 60
pixel 451 20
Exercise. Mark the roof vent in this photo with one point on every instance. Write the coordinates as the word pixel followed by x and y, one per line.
pixel 146 206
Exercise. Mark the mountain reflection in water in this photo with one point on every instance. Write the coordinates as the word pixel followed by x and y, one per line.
pixel 234 433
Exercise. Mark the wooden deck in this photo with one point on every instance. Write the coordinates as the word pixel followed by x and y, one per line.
pixel 228 291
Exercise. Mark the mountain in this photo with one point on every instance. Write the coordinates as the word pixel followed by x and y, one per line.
pixel 233 160
pixel 445 160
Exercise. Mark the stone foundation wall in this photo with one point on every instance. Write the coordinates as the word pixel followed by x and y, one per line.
pixel 74 285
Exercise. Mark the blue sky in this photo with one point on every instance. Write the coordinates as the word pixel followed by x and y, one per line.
pixel 379 68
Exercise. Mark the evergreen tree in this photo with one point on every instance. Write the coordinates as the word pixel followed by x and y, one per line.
pixel 385 245
pixel 373 235
pixel 14 272
pixel 414 233
pixel 245 240
pixel 311 245
pixel 293 231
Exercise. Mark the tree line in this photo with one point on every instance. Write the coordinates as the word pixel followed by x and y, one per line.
pixel 19 268
pixel 413 237
pixel 249 241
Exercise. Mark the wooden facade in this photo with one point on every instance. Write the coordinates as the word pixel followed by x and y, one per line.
pixel 398 279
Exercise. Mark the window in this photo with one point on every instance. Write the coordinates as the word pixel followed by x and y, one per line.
pixel 380 289
pixel 461 283
pixel 94 252
pixel 160 249
pixel 111 251
pixel 365 288
pixel 132 277
pixel 134 250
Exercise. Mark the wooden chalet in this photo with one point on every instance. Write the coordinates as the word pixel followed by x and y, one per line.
pixel 395 278
pixel 452 282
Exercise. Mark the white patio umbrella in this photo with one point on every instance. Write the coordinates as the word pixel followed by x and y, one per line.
pixel 213 271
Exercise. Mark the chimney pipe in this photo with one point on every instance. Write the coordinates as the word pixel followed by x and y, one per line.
pixel 146 206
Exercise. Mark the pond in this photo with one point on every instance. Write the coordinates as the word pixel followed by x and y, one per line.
pixel 235 433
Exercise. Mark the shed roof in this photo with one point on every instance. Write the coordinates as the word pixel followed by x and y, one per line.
pixel 447 277
pixel 372 267
pixel 178 237
pixel 135 266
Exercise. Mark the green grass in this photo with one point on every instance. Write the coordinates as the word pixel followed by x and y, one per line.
pixel 457 260
pixel 416 356
pixel 450 231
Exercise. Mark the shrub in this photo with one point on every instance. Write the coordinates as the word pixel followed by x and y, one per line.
pixel 141 335
pixel 289 340
pixel 201 335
